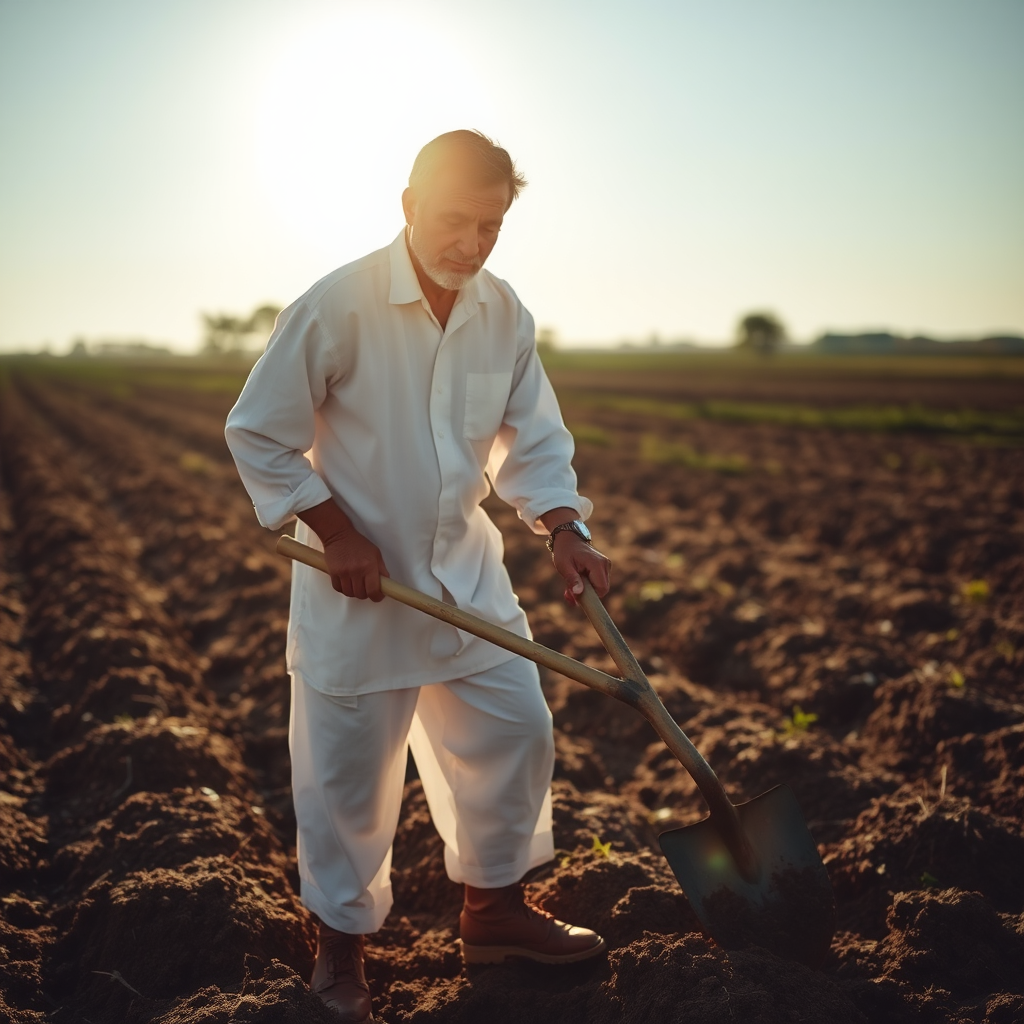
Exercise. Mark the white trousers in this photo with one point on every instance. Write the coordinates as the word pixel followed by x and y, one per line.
pixel 484 750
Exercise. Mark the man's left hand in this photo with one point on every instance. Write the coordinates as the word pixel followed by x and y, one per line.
pixel 574 558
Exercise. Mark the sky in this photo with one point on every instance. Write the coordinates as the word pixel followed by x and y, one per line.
pixel 846 165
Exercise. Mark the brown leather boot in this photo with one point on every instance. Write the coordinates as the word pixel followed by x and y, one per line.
pixel 499 923
pixel 338 977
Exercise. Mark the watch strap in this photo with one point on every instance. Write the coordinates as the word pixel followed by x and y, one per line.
pixel 573 526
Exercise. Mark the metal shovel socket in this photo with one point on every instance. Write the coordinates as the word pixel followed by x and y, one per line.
pixel 752 872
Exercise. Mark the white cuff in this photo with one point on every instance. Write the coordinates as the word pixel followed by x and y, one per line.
pixel 274 514
pixel 545 501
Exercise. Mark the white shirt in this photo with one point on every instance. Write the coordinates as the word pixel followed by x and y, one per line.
pixel 361 397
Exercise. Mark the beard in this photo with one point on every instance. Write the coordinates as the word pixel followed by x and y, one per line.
pixel 452 280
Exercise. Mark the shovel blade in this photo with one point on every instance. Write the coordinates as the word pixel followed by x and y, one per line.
pixel 789 908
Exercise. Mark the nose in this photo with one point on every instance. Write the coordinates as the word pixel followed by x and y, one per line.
pixel 469 243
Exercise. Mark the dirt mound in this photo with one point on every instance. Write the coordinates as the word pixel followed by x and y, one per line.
pixel 688 980
pixel 23 842
pixel 115 760
pixel 154 830
pixel 24 935
pixel 913 715
pixel 270 994
pixel 146 927
pixel 905 843
pixel 953 945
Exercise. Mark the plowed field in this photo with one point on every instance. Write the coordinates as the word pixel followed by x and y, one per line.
pixel 840 610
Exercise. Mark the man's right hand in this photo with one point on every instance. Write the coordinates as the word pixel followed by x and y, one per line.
pixel 355 565
pixel 354 562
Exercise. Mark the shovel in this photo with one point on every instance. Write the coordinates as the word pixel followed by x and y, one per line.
pixel 751 871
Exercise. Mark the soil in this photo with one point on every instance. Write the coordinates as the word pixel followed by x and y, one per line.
pixel 842 612
pixel 796 917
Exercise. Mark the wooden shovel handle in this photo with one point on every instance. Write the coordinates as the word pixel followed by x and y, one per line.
pixel 618 688
pixel 649 704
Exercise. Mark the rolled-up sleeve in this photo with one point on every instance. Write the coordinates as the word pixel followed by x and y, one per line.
pixel 273 423
pixel 530 465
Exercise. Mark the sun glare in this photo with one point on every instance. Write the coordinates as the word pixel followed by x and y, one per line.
pixel 343 113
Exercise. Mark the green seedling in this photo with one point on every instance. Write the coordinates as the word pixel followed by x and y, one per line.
pixel 928 880
pixel 125 721
pixel 193 462
pixel 601 849
pixel 674 561
pixel 800 722
pixel 977 591
pixel 956 678
pixel 952 634
pixel 655 590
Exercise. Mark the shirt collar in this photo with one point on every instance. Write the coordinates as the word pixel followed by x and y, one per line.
pixel 405 286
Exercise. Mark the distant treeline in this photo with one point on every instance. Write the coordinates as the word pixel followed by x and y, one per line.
pixel 883 343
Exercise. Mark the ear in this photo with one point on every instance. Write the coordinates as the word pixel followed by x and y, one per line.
pixel 409 205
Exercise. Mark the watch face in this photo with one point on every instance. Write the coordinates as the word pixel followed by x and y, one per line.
pixel 581 529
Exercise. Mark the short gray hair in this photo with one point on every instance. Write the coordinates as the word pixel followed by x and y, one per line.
pixel 490 161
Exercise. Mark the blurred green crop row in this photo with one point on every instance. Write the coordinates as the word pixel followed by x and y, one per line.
pixel 911 417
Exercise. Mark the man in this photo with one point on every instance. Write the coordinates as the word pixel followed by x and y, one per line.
pixel 388 395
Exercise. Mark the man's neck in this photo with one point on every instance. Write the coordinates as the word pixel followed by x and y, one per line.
pixel 441 300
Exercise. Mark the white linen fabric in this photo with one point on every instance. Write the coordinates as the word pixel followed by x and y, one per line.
pixel 484 751
pixel 363 397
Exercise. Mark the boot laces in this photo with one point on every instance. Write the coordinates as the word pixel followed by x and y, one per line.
pixel 341 959
pixel 524 908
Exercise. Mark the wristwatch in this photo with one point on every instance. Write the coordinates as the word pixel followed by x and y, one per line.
pixel 576 526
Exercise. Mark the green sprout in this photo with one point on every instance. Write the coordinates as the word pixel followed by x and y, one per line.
pixel 800 722
pixel 956 678
pixel 976 591
pixel 601 849
pixel 655 590
pixel 952 634
pixel 1006 649
pixel 928 880
pixel 125 721
pixel 193 462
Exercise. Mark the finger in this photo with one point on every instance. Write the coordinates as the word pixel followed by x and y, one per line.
pixel 359 588
pixel 574 582
pixel 371 582
pixel 338 583
pixel 570 598
pixel 600 578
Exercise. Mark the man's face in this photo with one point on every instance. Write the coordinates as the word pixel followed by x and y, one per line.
pixel 453 226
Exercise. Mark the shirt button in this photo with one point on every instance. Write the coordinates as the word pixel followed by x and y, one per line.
pixel 440 434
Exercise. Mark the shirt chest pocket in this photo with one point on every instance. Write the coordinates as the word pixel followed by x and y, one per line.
pixel 486 399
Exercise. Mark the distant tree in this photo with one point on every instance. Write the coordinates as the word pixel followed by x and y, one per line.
pixel 263 319
pixel 760 332
pixel 224 334
pixel 547 340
